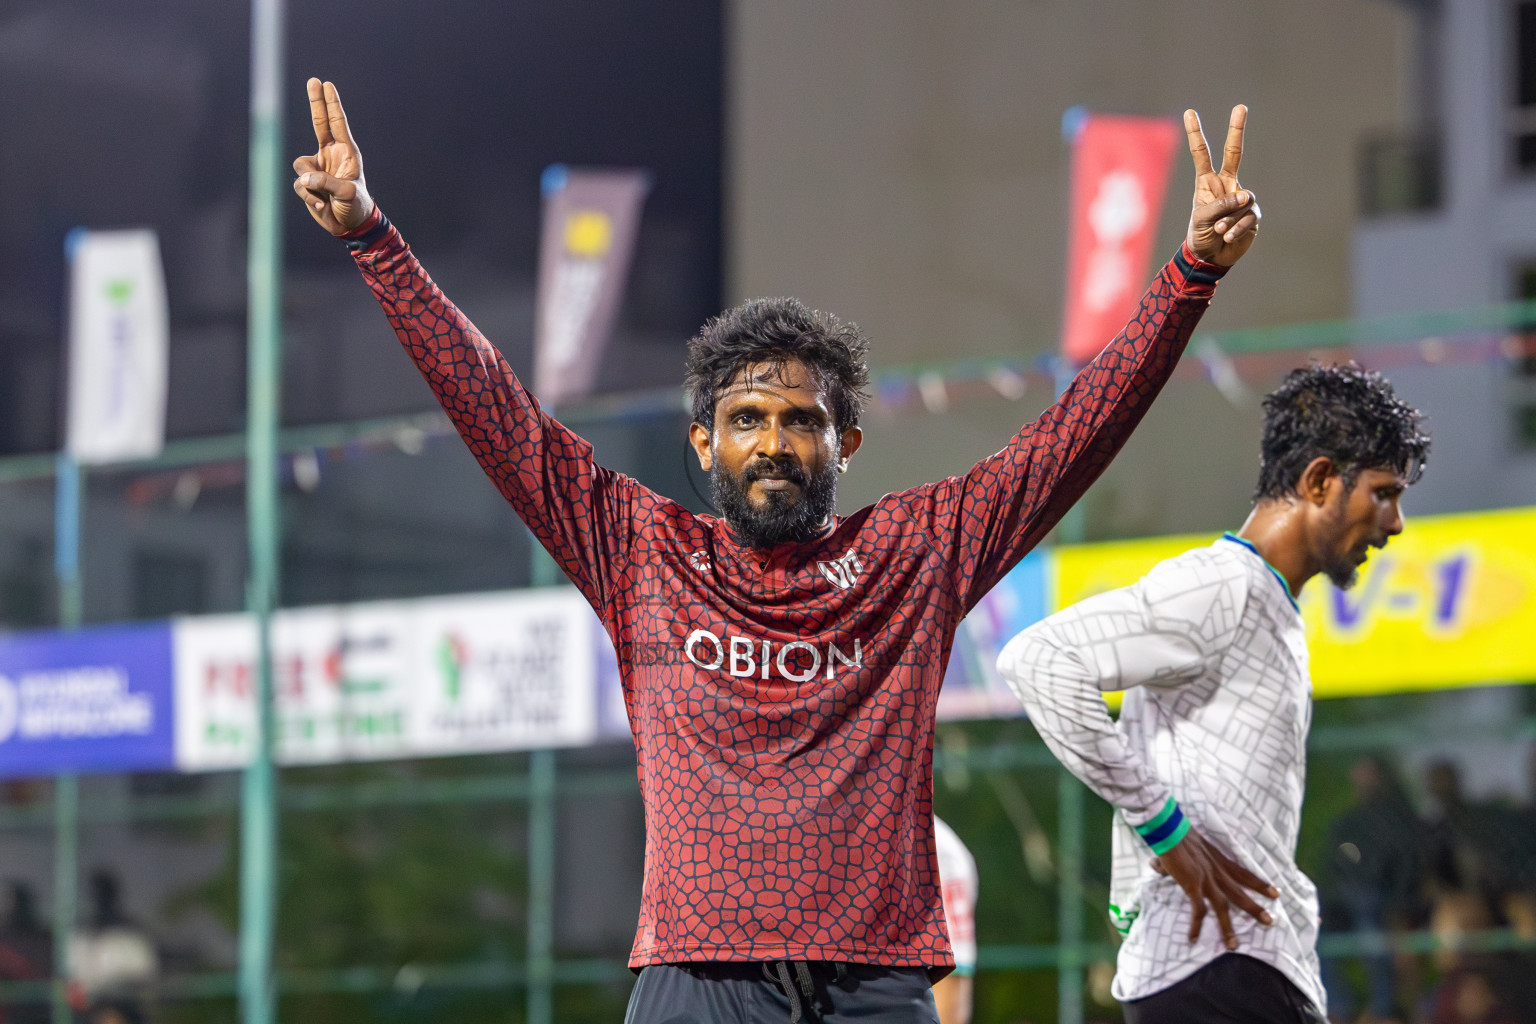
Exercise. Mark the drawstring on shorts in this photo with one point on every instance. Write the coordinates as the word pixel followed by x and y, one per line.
pixel 802 984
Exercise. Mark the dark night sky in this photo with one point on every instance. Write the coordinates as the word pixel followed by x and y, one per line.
pixel 135 113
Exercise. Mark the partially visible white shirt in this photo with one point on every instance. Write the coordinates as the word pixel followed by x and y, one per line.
pixel 1211 650
pixel 957 884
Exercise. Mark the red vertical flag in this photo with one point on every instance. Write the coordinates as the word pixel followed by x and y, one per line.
pixel 1119 178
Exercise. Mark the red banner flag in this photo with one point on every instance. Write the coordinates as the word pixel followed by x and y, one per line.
pixel 591 218
pixel 1119 177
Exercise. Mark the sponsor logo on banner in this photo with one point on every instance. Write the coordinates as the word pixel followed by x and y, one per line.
pixel 591 219
pixel 90 700
pixel 1119 176
pixel 117 346
pixel 505 671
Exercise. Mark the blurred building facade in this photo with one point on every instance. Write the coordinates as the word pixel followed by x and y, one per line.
pixel 1450 223
pixel 903 165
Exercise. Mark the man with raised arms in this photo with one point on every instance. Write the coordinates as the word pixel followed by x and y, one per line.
pixel 1206 767
pixel 781 663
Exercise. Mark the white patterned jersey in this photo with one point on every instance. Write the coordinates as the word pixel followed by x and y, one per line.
pixel 957 885
pixel 1210 651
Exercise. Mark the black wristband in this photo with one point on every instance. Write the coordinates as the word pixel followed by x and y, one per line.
pixel 369 237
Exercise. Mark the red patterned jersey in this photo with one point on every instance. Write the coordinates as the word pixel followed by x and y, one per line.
pixel 782 700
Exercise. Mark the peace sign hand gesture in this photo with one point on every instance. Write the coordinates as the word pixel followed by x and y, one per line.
pixel 331 182
pixel 1226 216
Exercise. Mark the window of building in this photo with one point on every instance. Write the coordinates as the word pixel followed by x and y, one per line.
pixel 1525 361
pixel 168 583
pixel 1522 112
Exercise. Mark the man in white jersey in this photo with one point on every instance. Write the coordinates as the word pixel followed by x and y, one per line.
pixel 1206 766
pixel 957 887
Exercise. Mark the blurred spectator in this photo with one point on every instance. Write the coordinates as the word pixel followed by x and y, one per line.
pixel 1371 885
pixel 26 953
pixel 112 959
pixel 1467 995
pixel 1520 905
pixel 114 1012
pixel 1469 849
pixel 1504 989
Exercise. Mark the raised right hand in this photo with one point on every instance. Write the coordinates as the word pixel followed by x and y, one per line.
pixel 331 182
pixel 1226 216
pixel 1213 882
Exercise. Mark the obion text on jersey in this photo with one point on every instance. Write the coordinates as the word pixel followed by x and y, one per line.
pixel 797 661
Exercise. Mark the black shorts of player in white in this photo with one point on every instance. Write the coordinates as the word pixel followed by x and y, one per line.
pixel 1233 987
pixel 780 992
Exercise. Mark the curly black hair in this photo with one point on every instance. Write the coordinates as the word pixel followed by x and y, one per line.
pixel 777 330
pixel 1345 412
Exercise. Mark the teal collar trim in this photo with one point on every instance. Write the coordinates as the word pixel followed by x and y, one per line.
pixel 1234 538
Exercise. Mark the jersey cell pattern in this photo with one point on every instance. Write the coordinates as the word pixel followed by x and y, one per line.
pixel 782 700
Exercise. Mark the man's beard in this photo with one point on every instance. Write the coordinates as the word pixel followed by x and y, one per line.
pixel 1342 572
pixel 781 519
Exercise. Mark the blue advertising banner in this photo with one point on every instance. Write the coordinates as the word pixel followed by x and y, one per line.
pixel 96 700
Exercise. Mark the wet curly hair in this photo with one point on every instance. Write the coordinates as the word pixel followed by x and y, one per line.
pixel 1345 412
pixel 776 331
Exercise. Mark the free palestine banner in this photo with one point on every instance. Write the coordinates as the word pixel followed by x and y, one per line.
pixel 393 679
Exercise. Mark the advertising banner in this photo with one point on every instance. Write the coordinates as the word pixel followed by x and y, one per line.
pixel 972 687
pixel 1119 178
pixel 1451 602
pixel 86 701
pixel 393 679
pixel 504 672
pixel 117 346
pixel 591 218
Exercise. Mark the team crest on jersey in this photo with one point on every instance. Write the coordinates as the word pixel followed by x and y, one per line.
pixel 842 572
pixel 699 560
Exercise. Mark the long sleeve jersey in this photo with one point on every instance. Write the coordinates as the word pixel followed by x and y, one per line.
pixel 1212 655
pixel 782 700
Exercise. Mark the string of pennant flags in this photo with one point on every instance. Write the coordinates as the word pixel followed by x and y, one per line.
pixel 1232 360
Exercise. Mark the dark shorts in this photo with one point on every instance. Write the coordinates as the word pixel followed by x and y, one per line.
pixel 754 993
pixel 1232 989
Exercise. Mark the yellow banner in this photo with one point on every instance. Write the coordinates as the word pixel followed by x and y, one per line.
pixel 1451 602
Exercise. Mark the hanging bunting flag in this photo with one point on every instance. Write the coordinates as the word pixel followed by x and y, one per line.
pixel 1119 177
pixel 117 346
pixel 591 218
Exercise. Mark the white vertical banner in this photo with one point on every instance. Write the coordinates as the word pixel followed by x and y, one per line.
pixel 117 346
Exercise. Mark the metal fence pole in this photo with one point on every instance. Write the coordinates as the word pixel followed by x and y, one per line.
pixel 66 788
pixel 258 805
pixel 1069 825
pixel 1069 898
pixel 541 887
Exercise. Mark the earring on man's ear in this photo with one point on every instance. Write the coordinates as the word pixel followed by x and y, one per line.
pixel 842 465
